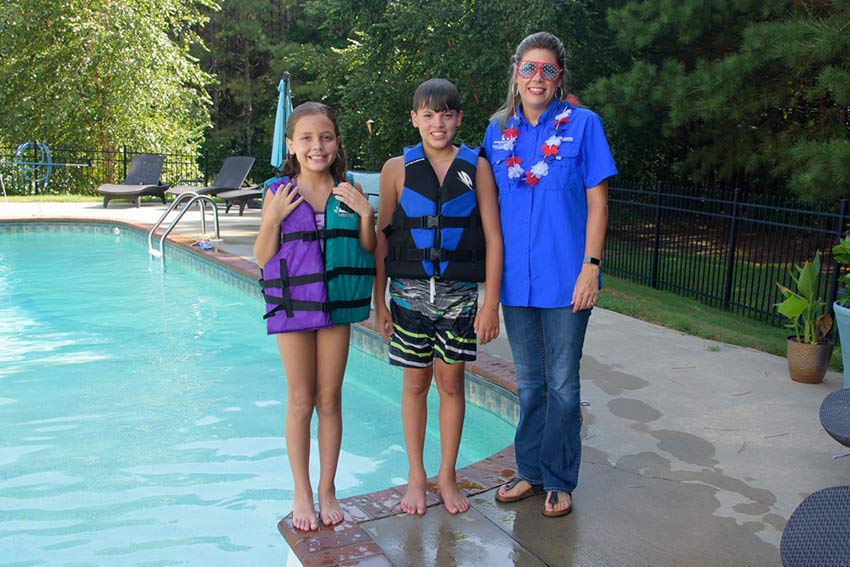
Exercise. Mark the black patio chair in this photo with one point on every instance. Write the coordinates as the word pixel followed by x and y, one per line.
pixel 143 178
pixel 231 177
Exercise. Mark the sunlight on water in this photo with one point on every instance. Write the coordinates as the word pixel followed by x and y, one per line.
pixel 142 413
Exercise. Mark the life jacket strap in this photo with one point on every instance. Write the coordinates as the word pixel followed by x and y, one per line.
pixel 311 235
pixel 437 221
pixel 324 306
pixel 292 281
pixel 350 303
pixel 434 255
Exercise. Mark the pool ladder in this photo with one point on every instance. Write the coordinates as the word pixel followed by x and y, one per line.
pixel 192 197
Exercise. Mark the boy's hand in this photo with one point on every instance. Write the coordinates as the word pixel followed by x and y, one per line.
pixel 355 199
pixel 283 202
pixel 384 321
pixel 486 324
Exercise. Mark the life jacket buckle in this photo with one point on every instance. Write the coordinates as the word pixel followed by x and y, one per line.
pixel 432 221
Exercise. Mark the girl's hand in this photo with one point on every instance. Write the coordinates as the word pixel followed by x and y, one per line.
pixel 354 198
pixel 384 320
pixel 283 202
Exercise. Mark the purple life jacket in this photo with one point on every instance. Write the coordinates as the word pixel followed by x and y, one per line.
pixel 296 258
pixel 308 288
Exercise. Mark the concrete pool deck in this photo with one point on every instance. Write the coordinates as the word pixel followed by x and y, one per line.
pixel 695 452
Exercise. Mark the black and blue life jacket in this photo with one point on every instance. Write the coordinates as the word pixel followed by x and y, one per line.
pixel 436 231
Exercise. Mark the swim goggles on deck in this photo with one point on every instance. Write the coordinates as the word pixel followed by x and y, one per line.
pixel 528 68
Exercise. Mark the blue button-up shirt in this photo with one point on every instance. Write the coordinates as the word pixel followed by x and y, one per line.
pixel 544 227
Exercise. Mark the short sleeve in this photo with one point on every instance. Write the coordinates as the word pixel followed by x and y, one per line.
pixel 487 145
pixel 597 163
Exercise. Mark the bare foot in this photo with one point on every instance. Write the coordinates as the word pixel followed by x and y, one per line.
pixel 329 510
pixel 303 513
pixel 414 499
pixel 453 498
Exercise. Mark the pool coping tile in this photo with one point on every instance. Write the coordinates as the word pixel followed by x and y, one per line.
pixel 348 544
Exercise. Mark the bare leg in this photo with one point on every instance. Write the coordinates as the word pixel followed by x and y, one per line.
pixel 298 351
pixel 414 415
pixel 452 408
pixel 332 355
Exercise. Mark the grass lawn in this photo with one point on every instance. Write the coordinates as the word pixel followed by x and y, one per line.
pixel 694 318
pixel 66 198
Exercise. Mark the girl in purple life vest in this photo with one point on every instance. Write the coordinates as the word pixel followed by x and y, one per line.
pixel 309 218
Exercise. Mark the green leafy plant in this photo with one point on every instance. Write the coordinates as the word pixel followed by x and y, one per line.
pixel 804 309
pixel 841 253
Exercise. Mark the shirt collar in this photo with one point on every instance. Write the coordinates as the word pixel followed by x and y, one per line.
pixel 547 116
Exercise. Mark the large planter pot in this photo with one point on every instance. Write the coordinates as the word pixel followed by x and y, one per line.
pixel 808 363
pixel 842 321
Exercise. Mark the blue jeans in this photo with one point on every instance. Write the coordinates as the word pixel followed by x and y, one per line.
pixel 546 346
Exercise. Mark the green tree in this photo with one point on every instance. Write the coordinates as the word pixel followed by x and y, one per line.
pixel 99 73
pixel 391 50
pixel 748 93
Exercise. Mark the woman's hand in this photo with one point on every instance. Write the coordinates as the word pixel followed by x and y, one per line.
pixel 354 198
pixel 283 202
pixel 587 288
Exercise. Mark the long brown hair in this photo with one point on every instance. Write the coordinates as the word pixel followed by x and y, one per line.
pixel 539 40
pixel 291 167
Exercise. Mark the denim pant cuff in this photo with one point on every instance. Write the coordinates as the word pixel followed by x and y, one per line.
pixel 558 489
pixel 529 480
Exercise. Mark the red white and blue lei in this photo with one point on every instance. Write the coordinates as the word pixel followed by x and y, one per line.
pixel 510 135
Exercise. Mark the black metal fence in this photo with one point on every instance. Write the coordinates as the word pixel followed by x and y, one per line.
pixel 726 248
pixel 27 170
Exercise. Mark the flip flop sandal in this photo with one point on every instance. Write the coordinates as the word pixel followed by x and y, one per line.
pixel 553 501
pixel 533 490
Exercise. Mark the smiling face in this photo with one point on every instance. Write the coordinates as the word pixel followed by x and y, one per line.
pixel 314 143
pixel 436 128
pixel 536 92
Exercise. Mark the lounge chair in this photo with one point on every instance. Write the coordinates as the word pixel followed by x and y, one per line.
pixel 231 177
pixel 143 178
pixel 240 197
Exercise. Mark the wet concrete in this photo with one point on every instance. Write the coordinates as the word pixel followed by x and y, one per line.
pixel 619 518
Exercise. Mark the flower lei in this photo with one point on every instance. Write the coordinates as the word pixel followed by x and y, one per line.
pixel 510 135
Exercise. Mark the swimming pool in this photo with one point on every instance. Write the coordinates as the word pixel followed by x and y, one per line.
pixel 142 411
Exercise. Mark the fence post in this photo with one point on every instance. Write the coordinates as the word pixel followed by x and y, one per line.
pixel 730 253
pixel 839 232
pixel 656 244
pixel 206 166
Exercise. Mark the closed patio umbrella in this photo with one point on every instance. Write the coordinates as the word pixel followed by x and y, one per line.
pixel 284 109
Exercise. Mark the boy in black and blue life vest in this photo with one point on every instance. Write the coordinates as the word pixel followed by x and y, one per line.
pixel 439 237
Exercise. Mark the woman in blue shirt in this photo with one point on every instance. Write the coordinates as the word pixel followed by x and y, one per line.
pixel 552 163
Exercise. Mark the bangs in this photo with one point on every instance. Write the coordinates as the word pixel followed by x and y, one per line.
pixel 439 95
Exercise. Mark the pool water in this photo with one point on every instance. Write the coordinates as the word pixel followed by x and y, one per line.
pixel 142 412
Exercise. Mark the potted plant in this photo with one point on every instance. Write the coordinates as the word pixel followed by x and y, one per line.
pixel 841 307
pixel 809 348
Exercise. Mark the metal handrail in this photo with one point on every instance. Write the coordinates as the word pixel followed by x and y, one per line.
pixel 193 197
pixel 159 221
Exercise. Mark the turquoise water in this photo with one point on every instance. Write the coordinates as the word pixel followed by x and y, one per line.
pixel 142 413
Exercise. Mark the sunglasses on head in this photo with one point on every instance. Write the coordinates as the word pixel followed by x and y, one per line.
pixel 527 69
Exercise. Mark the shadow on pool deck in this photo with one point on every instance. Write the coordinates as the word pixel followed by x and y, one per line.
pixel 694 453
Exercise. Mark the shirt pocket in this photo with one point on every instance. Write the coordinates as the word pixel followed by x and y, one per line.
pixel 565 167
